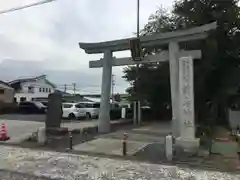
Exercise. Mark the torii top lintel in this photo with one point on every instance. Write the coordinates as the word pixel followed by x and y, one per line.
pixel 195 33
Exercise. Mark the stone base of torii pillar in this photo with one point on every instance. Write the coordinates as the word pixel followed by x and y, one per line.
pixel 187 144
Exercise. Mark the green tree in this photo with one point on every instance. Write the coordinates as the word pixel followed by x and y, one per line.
pixel 215 73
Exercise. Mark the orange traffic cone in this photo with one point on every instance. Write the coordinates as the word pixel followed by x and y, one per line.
pixel 4 136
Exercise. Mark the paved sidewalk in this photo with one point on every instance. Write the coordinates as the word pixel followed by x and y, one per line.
pixel 138 139
pixel 72 167
pixel 19 131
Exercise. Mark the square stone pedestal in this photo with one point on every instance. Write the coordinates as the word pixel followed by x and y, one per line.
pixel 188 145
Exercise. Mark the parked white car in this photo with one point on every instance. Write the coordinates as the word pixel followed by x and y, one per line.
pixel 91 109
pixel 73 111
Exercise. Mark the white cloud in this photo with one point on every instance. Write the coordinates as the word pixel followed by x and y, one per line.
pixel 50 33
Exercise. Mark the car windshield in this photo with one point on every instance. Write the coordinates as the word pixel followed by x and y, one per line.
pixel 45 103
pixel 67 105
pixel 79 106
pixel 96 105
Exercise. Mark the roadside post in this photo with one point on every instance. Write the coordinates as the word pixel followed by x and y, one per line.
pixel 70 140
pixel 124 144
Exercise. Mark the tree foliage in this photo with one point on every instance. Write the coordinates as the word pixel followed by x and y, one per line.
pixel 215 73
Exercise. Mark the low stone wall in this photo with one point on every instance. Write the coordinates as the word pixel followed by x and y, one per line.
pixel 94 129
pixel 234 118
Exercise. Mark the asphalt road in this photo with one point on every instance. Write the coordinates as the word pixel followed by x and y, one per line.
pixel 24 117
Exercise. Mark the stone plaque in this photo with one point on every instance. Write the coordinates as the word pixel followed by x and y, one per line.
pixel 186 98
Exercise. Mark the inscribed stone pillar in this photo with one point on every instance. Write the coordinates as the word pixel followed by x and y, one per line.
pixel 139 113
pixel 54 113
pixel 135 113
pixel 187 139
pixel 174 78
pixel 104 115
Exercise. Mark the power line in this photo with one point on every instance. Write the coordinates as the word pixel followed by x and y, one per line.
pixel 26 6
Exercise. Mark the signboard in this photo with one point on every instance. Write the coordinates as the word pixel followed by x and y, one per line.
pixel 136 50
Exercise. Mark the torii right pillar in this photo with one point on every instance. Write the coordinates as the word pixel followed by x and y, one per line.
pixel 182 95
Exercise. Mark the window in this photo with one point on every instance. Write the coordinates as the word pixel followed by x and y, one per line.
pixel 50 90
pixel 40 89
pixel 30 89
pixel 67 105
pixel 22 99
pixel 25 103
pixel 82 104
pixel 1 91
pixel 43 89
pixel 96 105
pixel 88 105
pixel 79 106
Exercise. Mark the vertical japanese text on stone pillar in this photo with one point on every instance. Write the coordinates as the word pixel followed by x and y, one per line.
pixel 186 94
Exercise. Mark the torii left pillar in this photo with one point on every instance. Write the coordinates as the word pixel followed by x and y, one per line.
pixel 104 115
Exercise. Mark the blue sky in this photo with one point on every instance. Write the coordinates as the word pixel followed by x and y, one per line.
pixel 45 39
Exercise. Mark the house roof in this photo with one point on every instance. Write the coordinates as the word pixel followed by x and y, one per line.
pixel 21 80
pixel 6 84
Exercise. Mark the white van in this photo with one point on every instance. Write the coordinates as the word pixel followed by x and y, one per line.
pixel 91 109
pixel 73 110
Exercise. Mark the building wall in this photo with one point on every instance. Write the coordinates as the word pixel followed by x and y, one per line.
pixel 6 94
pixel 39 89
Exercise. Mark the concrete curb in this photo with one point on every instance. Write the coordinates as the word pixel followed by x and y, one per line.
pixel 94 129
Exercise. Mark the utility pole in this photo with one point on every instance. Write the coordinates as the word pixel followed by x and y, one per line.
pixel 138 14
pixel 65 88
pixel 113 84
pixel 137 103
pixel 74 88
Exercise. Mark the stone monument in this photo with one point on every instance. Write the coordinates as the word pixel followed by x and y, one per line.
pixel 186 139
pixel 54 113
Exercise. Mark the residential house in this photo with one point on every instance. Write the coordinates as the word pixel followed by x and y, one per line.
pixel 32 89
pixel 6 93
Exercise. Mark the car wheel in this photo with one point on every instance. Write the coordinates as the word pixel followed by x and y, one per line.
pixel 71 116
pixel 88 115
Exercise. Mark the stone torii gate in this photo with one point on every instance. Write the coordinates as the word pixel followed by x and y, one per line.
pixel 181 76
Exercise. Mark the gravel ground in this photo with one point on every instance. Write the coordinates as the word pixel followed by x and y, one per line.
pixel 10 175
pixel 80 167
